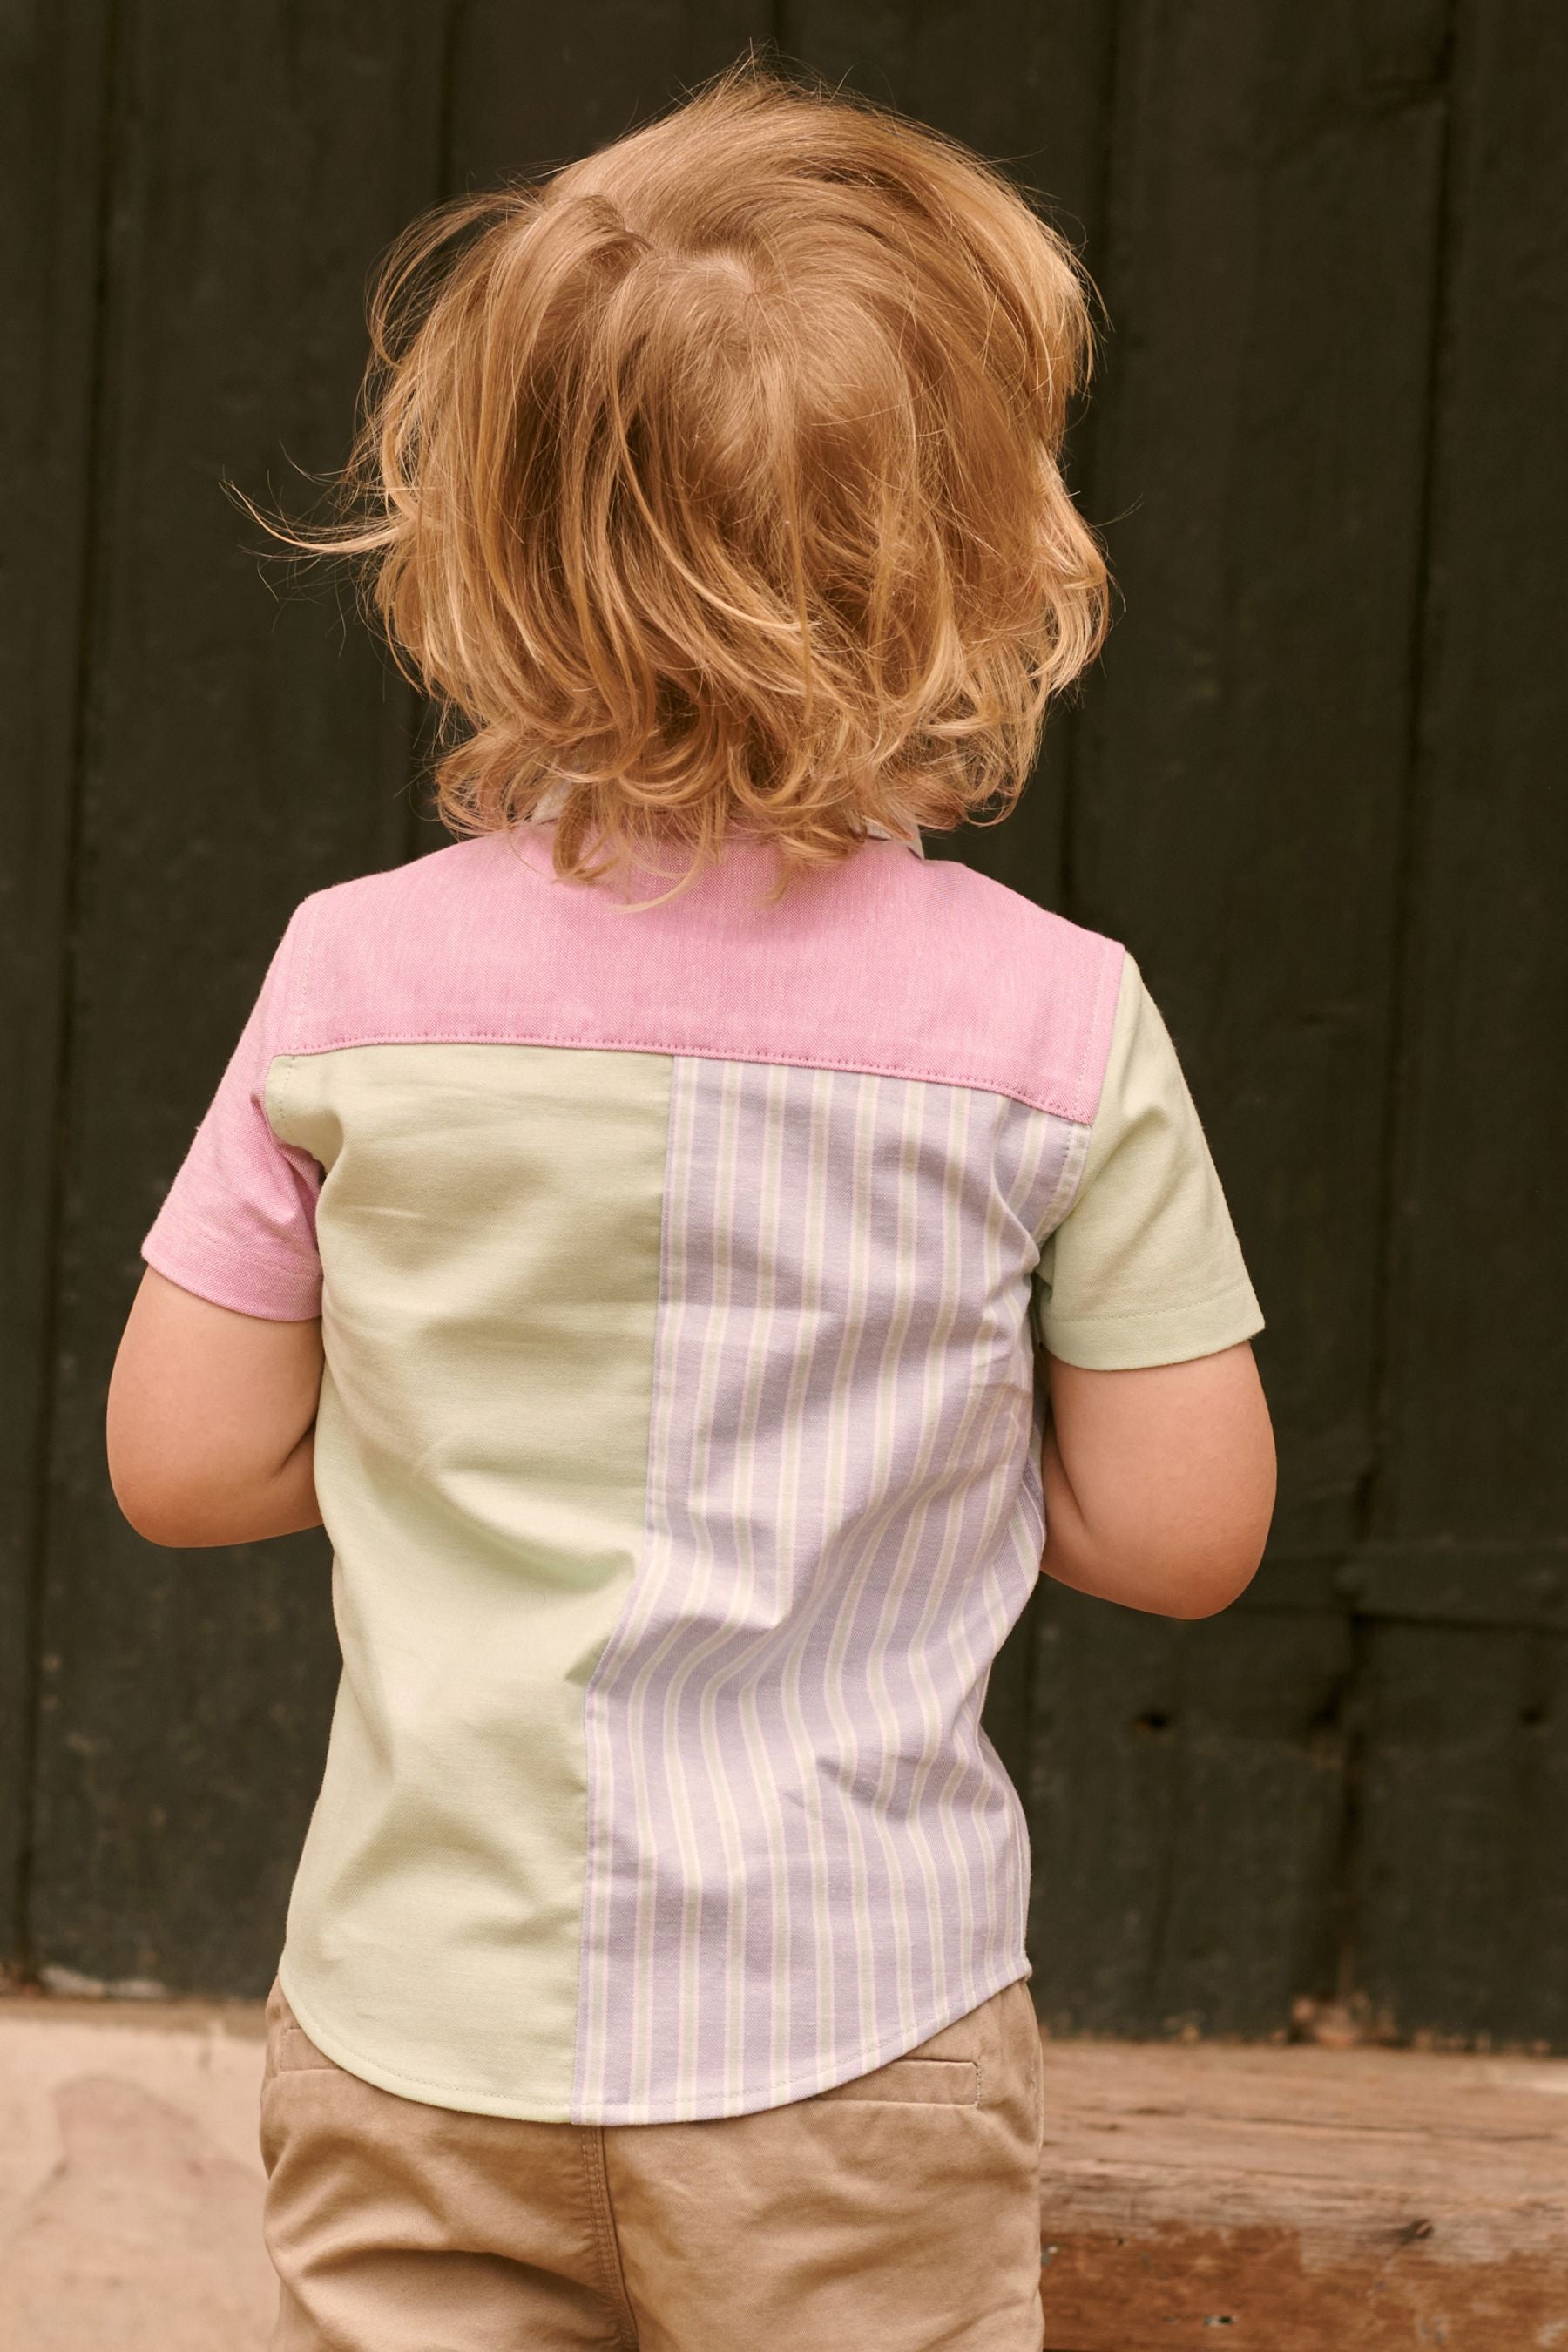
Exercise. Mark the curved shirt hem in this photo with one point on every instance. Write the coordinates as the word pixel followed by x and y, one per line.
pixel 699 2109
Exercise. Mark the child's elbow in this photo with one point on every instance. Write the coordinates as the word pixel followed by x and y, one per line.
pixel 1209 1565
pixel 1205 1586
pixel 163 1510
pixel 170 1496
pixel 1161 1576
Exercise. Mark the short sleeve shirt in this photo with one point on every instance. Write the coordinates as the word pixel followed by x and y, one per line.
pixel 681 1269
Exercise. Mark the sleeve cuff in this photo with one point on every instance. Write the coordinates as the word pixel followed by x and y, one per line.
pixel 273 1291
pixel 1164 1335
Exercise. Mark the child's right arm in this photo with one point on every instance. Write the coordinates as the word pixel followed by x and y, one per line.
pixel 1158 1481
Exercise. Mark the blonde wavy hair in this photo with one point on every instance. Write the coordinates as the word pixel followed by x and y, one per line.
pixel 713 484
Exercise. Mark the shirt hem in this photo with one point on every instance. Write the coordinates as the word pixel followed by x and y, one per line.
pixel 702 2108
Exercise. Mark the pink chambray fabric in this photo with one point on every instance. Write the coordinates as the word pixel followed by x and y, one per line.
pixel 888 964
pixel 239 1225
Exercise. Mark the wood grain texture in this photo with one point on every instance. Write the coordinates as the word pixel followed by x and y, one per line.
pixel 52 87
pixel 1185 1799
pixel 1462 1920
pixel 1297 2198
pixel 1270 267
pixel 1459 1898
pixel 530 88
pixel 1477 1338
pixel 1238 804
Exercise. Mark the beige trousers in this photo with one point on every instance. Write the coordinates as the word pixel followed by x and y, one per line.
pixel 899 2212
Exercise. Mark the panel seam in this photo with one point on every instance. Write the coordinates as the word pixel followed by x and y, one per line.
pixel 1053 1105
pixel 592 1776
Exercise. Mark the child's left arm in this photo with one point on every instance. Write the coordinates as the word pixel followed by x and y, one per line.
pixel 212 1419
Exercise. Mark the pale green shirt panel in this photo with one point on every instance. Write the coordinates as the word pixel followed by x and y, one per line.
pixel 1145 1268
pixel 489 1225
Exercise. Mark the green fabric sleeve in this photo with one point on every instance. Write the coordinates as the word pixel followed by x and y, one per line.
pixel 1145 1267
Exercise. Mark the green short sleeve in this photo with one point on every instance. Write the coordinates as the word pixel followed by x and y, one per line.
pixel 1145 1267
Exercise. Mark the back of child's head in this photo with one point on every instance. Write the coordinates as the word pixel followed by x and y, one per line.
pixel 712 482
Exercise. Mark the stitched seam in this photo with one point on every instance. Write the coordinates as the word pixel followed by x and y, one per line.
pixel 279 1078
pixel 1056 1105
pixel 1092 1033
pixel 915 2057
pixel 1236 1288
pixel 307 967
pixel 605 1663
pixel 597 2178
pixel 1075 1159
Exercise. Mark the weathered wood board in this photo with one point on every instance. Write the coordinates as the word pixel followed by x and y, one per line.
pixel 1184 1798
pixel 1300 2198
pixel 53 107
pixel 1461 1903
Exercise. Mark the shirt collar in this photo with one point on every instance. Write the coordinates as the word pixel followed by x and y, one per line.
pixel 909 833
pixel 549 806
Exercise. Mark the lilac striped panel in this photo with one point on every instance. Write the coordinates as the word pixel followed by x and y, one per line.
pixel 804 1855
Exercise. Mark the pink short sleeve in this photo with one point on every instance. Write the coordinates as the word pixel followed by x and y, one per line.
pixel 238 1225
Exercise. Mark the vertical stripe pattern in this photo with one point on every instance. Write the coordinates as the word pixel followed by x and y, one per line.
pixel 804 1857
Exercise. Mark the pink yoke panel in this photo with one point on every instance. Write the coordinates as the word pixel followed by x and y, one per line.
pixel 887 963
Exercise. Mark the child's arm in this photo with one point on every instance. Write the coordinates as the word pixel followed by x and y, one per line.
pixel 1158 1481
pixel 212 1421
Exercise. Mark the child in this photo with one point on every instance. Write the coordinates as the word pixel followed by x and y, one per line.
pixel 630 1231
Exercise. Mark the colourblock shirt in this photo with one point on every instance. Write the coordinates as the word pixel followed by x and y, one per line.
pixel 681 1271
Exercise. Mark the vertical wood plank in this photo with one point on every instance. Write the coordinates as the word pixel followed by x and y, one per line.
pixel 524 98
pixel 1479 1344
pixel 1460 1927
pixel 243 747
pixel 1239 796
pixel 1238 815
pixel 1184 1806
pixel 1460 1902
pixel 54 67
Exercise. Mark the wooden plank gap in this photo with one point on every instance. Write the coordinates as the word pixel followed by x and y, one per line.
pixel 52 1214
pixel 1388 1369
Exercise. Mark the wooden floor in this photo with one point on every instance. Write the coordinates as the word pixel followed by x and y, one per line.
pixel 1303 2200
pixel 1296 2200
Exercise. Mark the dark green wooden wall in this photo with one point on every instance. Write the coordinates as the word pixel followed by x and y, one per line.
pixel 1317 784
